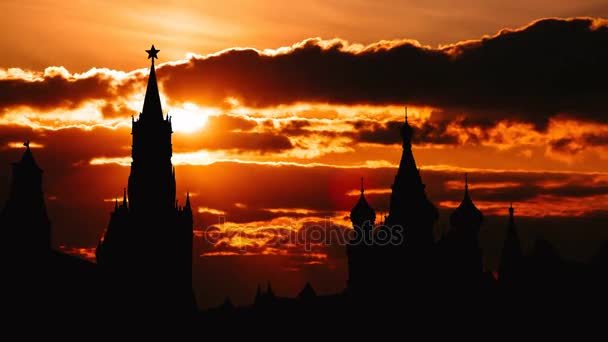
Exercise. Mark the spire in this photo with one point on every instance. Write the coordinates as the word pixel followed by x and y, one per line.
pixel 512 253
pixel 362 190
pixel 187 200
pixel 466 215
pixel 406 131
pixel 467 197
pixel 124 197
pixel 269 291
pixel 27 159
pixel 308 292
pixel 258 295
pixel 152 109
pixel 362 213
pixel 409 205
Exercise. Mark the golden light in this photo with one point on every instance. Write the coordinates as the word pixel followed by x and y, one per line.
pixel 190 118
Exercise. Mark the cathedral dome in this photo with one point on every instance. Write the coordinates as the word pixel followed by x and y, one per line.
pixel 467 214
pixel 362 212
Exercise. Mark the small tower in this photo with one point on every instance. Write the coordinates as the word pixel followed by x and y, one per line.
pixel 466 219
pixel 409 209
pixel 511 261
pixel 463 260
pixel 25 226
pixel 362 215
pixel 150 223
pixel 360 247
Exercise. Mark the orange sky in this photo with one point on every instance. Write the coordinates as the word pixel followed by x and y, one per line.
pixel 273 141
pixel 83 34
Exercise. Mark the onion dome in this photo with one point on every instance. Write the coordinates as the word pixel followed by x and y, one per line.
pixel 362 213
pixel 406 131
pixel 467 214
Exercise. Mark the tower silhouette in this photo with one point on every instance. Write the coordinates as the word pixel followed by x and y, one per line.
pixel 25 226
pixel 409 208
pixel 406 259
pixel 461 255
pixel 511 262
pixel 400 258
pixel 360 249
pixel 147 246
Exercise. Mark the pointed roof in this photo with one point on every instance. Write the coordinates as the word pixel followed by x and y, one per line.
pixel 152 109
pixel 511 251
pixel 27 159
pixel 408 174
pixel 362 212
pixel 406 131
pixel 467 214
pixel 269 291
pixel 227 304
pixel 124 197
pixel 187 200
pixel 408 198
pixel 307 292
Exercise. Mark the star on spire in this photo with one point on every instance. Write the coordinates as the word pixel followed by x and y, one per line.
pixel 152 53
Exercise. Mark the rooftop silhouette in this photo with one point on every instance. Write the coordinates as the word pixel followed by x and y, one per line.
pixel 144 258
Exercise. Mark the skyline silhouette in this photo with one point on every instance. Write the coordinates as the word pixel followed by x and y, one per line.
pixel 397 262
pixel 317 191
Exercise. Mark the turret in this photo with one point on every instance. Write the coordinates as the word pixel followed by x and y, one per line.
pixel 512 254
pixel 24 221
pixel 466 218
pixel 409 209
pixel 362 215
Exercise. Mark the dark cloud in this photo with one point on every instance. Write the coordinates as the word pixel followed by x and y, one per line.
pixel 56 91
pixel 430 132
pixel 551 67
pixel 532 74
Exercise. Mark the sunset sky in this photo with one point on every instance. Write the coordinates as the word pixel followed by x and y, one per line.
pixel 279 109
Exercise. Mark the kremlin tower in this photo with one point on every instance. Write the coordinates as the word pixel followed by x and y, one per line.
pixel 146 251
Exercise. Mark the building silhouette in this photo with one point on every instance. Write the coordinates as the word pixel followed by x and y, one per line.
pixel 144 258
pixel 146 251
pixel 26 229
pixel 392 260
pixel 360 249
pixel 38 281
pixel 461 256
pixel 511 269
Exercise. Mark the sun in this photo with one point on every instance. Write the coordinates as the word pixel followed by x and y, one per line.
pixel 189 118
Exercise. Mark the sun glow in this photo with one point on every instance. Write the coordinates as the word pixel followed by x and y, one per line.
pixel 190 118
